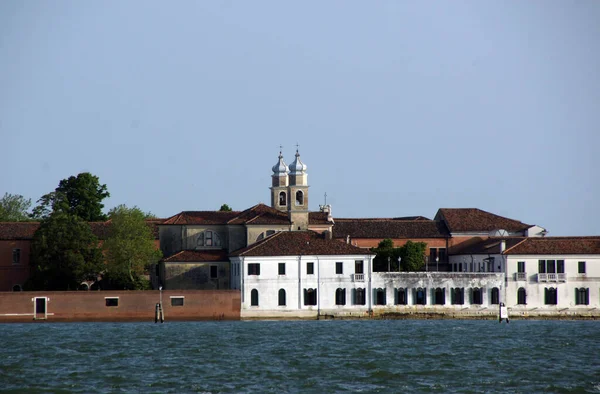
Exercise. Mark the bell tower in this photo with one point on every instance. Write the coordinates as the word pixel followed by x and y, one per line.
pixel 298 194
pixel 279 186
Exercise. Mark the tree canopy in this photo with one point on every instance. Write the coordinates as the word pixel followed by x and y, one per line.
pixel 412 255
pixel 225 208
pixel 129 249
pixel 81 195
pixel 14 207
pixel 64 253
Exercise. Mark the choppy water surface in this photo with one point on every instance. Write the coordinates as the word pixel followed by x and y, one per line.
pixel 302 356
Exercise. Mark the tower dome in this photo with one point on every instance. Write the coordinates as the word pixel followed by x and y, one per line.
pixel 297 167
pixel 280 169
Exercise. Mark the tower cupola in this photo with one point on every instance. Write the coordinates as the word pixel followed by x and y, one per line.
pixel 279 185
pixel 298 175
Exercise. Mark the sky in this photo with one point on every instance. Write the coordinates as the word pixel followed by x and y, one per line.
pixel 398 108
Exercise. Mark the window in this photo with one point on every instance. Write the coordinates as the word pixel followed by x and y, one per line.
pixel 432 255
pixel 440 296
pixel 358 296
pixel 582 296
pixel 177 300
pixel 299 198
pixel 420 296
pixel 495 296
pixel 16 256
pixel 581 267
pixel 380 297
pixel 310 268
pixel 542 266
pixel 310 297
pixel 254 297
pixel 400 296
pixel 476 296
pixel 281 268
pixel 17 288
pixel 550 296
pixel 282 199
pixel 358 267
pixel 208 238
pixel 521 296
pixel 340 297
pixel 111 301
pixel 457 296
pixel 560 266
pixel 521 266
pixel 281 297
pixel 339 268
pixel 254 269
pixel 214 272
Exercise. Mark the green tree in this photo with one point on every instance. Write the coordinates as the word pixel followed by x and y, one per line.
pixel 81 195
pixel 225 208
pixel 64 253
pixel 14 207
pixel 413 256
pixel 129 249
pixel 386 256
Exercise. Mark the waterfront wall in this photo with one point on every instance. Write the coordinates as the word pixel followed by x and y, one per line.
pixel 119 305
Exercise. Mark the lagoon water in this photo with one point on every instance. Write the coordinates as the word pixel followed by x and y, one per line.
pixel 302 356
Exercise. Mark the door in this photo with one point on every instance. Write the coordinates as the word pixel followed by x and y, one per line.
pixel 39 308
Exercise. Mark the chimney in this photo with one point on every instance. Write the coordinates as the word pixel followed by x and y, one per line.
pixel 327 234
pixel 502 246
pixel 348 239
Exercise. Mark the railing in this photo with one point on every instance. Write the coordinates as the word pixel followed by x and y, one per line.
pixel 358 277
pixel 552 278
pixel 520 276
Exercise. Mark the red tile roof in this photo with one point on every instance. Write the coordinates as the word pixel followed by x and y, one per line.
pixel 198 256
pixel 18 230
pixel 557 245
pixel 295 243
pixel 258 214
pixel 201 217
pixel 261 214
pixel 480 245
pixel 387 228
pixel 318 218
pixel 476 220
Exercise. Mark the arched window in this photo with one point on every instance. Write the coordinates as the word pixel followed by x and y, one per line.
pixel 299 197
pixel 550 296
pixel 281 297
pixel 340 297
pixel 84 286
pixel 310 296
pixel 400 298
pixel 17 288
pixel 440 296
pixel 457 296
pixel 495 296
pixel 208 238
pixel 380 297
pixel 254 297
pixel 282 199
pixel 476 296
pixel 420 296
pixel 521 296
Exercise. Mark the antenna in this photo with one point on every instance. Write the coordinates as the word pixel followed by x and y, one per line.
pixel 325 198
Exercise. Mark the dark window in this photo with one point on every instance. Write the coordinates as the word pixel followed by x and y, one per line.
pixel 582 296
pixel 17 288
pixel 442 255
pixel 476 296
pixel 457 296
pixel 214 272
pixel 420 296
pixel 177 301
pixel 16 256
pixel 281 268
pixel 358 267
pixel 521 296
pixel 358 296
pixel 340 297
pixel 432 255
pixel 339 268
pixel 440 296
pixel 560 266
pixel 254 297
pixel 551 266
pixel 460 267
pixel 550 296
pixel 400 296
pixel 281 297
pixel 310 268
pixel 380 297
pixel 111 301
pixel 299 198
pixel 282 199
pixel 495 296
pixel 542 266
pixel 310 296
pixel 520 266
pixel 254 269
pixel 581 267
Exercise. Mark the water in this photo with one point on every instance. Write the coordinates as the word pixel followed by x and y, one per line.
pixel 302 356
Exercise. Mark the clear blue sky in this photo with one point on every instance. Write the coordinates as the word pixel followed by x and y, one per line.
pixel 400 108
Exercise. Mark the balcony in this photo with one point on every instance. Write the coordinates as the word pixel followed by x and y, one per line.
pixel 520 276
pixel 358 277
pixel 552 278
